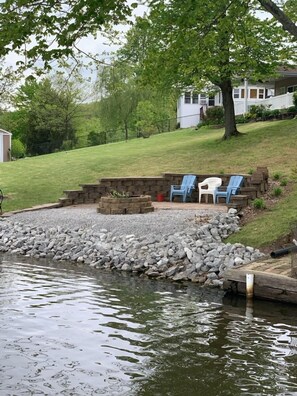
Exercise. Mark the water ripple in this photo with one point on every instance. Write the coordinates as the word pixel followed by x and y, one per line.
pixel 68 331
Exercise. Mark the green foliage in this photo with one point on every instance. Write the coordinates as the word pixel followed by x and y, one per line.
pixel 119 194
pixel 283 182
pixel 275 113
pixel 277 191
pixel 214 115
pixel 18 150
pixel 241 119
pixel 206 49
pixel 251 171
pixel 96 138
pixel 277 176
pixel 146 118
pixel 48 30
pixel 292 109
pixel 46 116
pixel 128 106
pixel 259 203
pixel 258 111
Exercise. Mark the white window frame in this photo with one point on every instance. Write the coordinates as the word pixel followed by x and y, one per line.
pixel 236 93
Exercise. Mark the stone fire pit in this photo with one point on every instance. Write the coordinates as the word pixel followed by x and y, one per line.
pixel 130 205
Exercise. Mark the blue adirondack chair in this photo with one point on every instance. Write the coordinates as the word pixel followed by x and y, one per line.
pixel 185 189
pixel 232 189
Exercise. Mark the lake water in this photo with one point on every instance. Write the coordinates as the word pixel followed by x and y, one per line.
pixel 68 330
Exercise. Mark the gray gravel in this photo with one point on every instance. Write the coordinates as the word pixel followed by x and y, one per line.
pixel 161 221
pixel 181 245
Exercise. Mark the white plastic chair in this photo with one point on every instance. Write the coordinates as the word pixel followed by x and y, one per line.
pixel 210 186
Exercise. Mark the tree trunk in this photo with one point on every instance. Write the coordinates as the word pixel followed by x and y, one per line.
pixel 228 103
pixel 126 131
pixel 280 16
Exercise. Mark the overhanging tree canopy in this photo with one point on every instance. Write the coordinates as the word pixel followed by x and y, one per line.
pixel 50 29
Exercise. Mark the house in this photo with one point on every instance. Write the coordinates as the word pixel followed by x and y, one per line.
pixel 277 94
pixel 5 145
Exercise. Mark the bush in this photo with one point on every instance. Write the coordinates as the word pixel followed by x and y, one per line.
pixel 259 203
pixel 291 109
pixel 18 150
pixel 96 138
pixel 241 119
pixel 257 111
pixel 214 115
pixel 284 182
pixel 275 113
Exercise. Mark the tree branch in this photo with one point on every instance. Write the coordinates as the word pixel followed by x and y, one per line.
pixel 280 16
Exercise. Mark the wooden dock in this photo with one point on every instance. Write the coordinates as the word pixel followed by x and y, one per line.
pixel 273 279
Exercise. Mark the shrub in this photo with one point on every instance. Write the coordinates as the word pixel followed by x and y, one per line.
pixel 18 150
pixel 241 119
pixel 277 191
pixel 251 171
pixel 96 138
pixel 214 115
pixel 291 109
pixel 284 182
pixel 257 111
pixel 259 203
pixel 275 113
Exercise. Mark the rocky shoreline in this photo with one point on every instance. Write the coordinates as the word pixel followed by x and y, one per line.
pixel 197 253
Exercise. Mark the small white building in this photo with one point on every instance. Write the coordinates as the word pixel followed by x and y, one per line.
pixel 5 145
pixel 276 94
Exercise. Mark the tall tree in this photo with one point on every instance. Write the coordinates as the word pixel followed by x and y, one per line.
pixel 47 116
pixel 121 95
pixel 192 44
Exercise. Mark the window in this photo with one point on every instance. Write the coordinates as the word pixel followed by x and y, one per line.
pixel 293 88
pixel 195 97
pixel 236 93
pixel 187 97
pixel 242 93
pixel 211 100
pixel 203 99
pixel 253 93
pixel 261 93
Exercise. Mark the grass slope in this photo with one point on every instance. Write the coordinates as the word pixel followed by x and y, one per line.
pixel 38 180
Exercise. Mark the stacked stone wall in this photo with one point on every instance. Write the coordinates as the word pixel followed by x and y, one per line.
pixel 254 186
pixel 131 205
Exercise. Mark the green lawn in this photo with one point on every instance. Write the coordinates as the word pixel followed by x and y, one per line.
pixel 42 179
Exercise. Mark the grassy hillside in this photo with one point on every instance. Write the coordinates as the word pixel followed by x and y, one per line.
pixel 38 180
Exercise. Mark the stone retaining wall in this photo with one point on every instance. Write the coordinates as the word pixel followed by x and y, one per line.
pixel 254 186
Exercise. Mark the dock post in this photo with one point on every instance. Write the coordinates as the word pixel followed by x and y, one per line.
pixel 249 285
